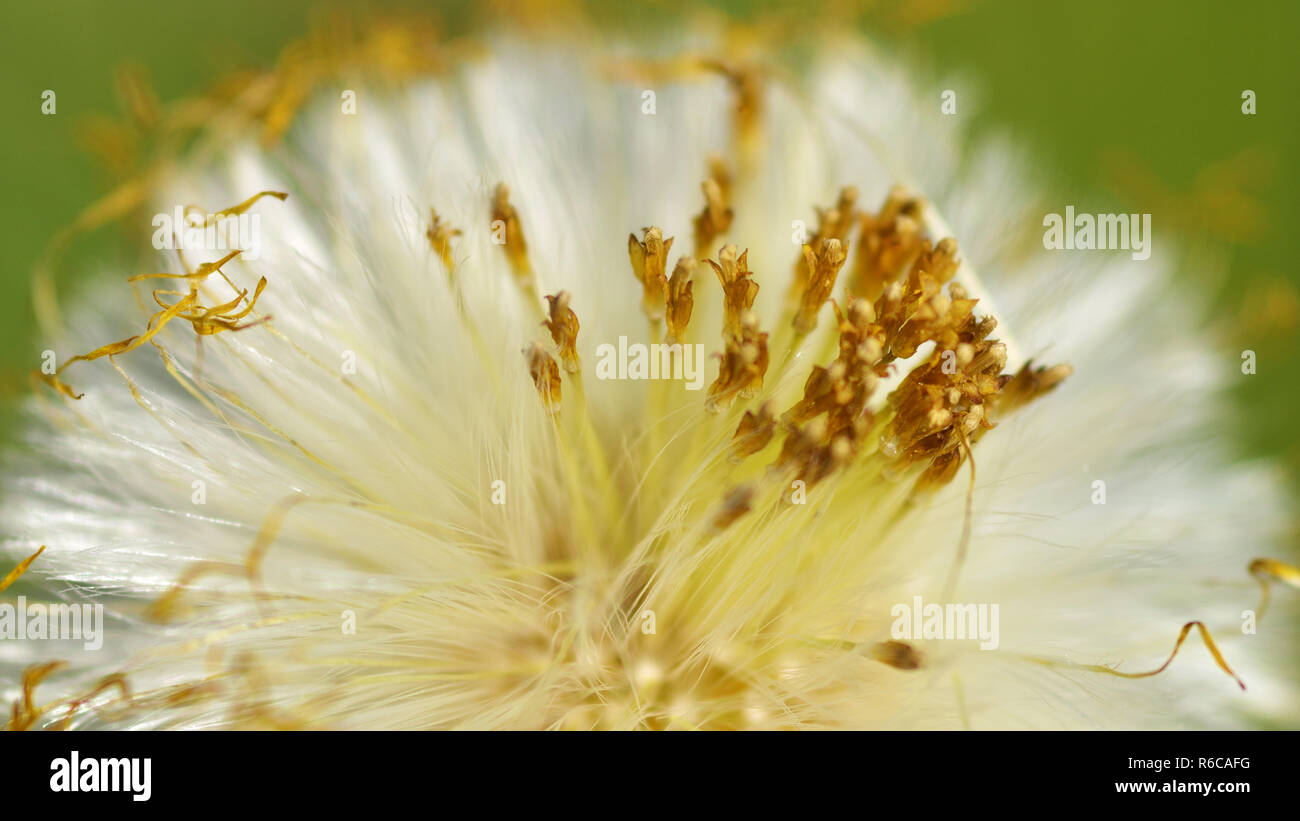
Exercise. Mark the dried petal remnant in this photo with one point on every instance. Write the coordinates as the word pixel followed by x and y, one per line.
pixel 205 321
pixel 1265 572
pixel 13 575
pixel 25 712
pixel 236 210
pixel 1182 636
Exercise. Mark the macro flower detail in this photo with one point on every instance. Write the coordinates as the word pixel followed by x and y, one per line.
pixel 367 479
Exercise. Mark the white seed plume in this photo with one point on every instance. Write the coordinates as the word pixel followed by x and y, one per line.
pixel 394 532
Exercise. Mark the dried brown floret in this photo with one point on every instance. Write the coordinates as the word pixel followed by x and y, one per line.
pixel 546 376
pixel 897 654
pixel 747 87
pixel 823 267
pixel 681 299
pixel 1029 383
pixel 812 452
pixel 824 389
pixel 734 505
pixel 753 433
pixel 721 174
pixel 506 218
pixel 563 325
pixel 742 366
pixel 440 235
pixel 888 242
pixel 832 223
pixel 738 289
pixel 649 262
pixel 714 220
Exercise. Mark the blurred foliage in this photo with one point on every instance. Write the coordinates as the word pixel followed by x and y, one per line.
pixel 1132 106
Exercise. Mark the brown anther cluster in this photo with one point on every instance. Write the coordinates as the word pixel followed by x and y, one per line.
pixel 649 263
pixel 563 325
pixel 754 432
pixel 812 452
pixel 888 242
pixel 742 366
pixel 920 310
pixel 546 376
pixel 440 234
pixel 738 289
pixel 681 299
pixel 839 393
pixel 823 267
pixel 516 247
pixel 941 407
pixel 927 425
pixel 714 220
pixel 944 404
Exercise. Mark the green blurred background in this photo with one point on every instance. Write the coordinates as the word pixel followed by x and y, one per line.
pixel 1138 104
